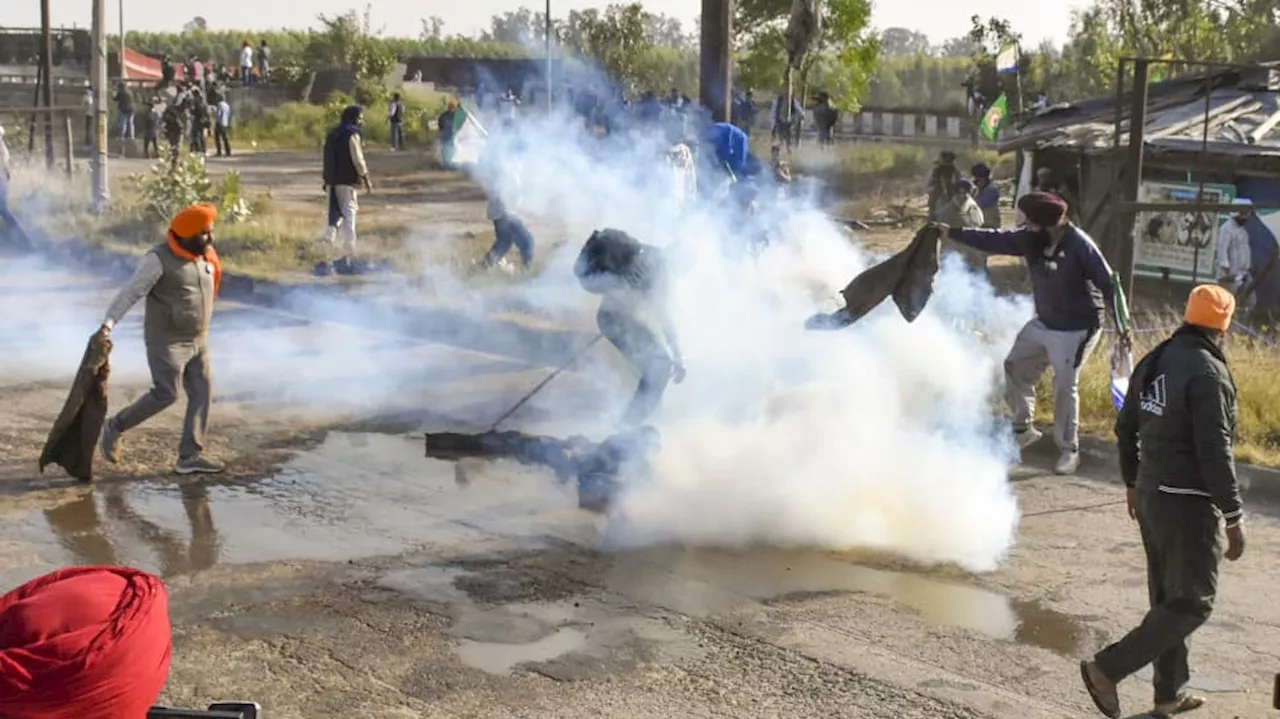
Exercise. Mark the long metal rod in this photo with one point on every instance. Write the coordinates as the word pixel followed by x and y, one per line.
pixel 1218 207
pixel 1117 170
pixel 547 42
pixel 1199 63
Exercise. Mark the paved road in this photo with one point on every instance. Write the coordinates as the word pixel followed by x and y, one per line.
pixel 339 573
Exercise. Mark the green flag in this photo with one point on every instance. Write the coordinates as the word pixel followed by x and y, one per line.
pixel 994 117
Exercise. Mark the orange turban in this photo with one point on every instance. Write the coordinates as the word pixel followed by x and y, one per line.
pixel 84 643
pixel 1211 307
pixel 193 221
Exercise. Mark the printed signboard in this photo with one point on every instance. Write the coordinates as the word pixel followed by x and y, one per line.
pixel 1179 245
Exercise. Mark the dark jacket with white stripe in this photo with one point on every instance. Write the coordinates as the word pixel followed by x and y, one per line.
pixel 1178 423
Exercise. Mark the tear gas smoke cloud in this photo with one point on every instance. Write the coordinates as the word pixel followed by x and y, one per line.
pixel 878 436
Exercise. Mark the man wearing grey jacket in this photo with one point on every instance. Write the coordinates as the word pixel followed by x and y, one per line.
pixel 1072 288
pixel 179 279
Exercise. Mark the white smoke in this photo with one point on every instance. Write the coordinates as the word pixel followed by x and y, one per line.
pixel 877 436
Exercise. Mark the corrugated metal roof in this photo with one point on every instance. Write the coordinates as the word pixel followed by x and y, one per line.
pixel 1244 118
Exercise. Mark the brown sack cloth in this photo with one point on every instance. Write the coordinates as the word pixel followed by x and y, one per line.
pixel 907 277
pixel 74 438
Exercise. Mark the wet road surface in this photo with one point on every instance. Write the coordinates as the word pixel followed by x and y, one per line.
pixel 357 576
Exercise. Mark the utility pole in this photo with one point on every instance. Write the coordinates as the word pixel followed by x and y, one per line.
pixel 46 67
pixel 124 69
pixel 1133 166
pixel 547 39
pixel 99 84
pixel 715 71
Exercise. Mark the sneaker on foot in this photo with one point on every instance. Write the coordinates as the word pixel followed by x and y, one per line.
pixel 1068 463
pixel 110 444
pixel 322 269
pixel 199 465
pixel 1027 437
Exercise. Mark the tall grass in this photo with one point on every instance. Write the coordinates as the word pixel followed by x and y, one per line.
pixel 1254 365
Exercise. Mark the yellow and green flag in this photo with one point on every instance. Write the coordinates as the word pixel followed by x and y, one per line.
pixel 1160 69
pixel 994 117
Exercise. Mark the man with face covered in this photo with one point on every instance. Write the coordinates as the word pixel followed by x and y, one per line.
pixel 1072 288
pixel 179 279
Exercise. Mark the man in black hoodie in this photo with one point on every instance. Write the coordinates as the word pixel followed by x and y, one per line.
pixel 344 172
pixel 1181 411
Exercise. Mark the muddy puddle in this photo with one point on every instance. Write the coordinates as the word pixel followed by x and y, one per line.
pixel 366 495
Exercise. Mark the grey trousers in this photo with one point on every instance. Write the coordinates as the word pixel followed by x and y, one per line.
pixel 646 355
pixel 1036 349
pixel 188 362
pixel 1180 536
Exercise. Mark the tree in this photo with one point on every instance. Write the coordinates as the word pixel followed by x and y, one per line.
pixel 843 54
pixel 962 46
pixel 615 38
pixel 897 41
pixel 432 29
pixel 348 42
pixel 196 23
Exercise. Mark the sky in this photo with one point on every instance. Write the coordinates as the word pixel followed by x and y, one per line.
pixel 939 19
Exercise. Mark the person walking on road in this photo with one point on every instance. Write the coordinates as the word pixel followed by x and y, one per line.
pixel 1181 410
pixel 11 228
pixel 179 279
pixel 345 172
pixel 1072 288
pixel 222 127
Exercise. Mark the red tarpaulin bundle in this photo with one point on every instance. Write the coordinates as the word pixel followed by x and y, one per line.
pixel 84 643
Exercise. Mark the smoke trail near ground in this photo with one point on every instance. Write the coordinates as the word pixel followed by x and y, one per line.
pixel 878 436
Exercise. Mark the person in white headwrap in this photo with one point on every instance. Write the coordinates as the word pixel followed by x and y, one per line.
pixel 1235 259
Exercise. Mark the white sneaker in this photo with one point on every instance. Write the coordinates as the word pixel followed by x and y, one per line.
pixel 1068 463
pixel 1027 437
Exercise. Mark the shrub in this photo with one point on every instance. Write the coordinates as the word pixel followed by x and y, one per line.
pixel 165 188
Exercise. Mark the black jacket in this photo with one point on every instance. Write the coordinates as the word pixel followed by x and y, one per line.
pixel 907 277
pixel 339 165
pixel 610 257
pixel 74 437
pixel 1181 411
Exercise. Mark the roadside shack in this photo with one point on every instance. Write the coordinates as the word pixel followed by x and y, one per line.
pixel 1220 128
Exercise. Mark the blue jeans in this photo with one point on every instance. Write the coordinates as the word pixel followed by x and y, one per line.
pixel 507 232
pixel 126 125
pixel 397 135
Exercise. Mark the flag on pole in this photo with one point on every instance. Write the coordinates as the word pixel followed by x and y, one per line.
pixel 1007 59
pixel 994 117
pixel 1122 354
pixel 468 139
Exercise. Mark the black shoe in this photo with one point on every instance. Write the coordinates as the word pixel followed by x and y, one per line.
pixel 322 269
pixel 344 266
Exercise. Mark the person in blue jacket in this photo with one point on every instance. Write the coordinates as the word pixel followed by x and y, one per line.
pixel 1072 289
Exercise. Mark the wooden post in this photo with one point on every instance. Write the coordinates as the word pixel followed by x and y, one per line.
pixel 1133 180
pixel 715 83
pixel 46 64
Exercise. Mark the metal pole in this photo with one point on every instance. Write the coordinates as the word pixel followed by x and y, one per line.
pixel 1113 241
pixel 1133 184
pixel 46 64
pixel 1204 155
pixel 124 69
pixel 547 40
pixel 99 84
pixel 714 71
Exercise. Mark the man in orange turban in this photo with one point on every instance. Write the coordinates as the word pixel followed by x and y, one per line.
pixel 84 643
pixel 179 279
pixel 1181 410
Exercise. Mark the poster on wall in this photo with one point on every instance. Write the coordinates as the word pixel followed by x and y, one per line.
pixel 1179 245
